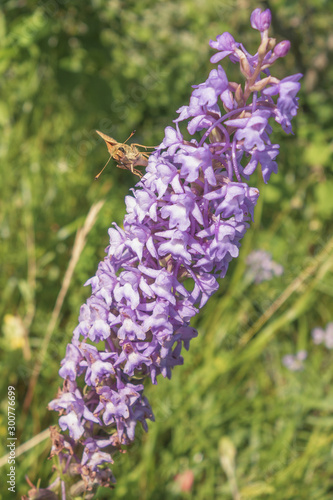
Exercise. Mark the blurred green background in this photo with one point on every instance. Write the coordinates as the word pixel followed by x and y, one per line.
pixel 233 418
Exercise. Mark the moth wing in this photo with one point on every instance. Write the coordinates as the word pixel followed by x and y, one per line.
pixel 141 159
pixel 110 142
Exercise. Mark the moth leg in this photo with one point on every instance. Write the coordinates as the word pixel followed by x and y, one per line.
pixel 134 170
pixel 130 167
pixel 137 172
pixel 123 167
pixel 142 146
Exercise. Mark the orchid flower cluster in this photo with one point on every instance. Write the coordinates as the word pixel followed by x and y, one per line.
pixel 184 223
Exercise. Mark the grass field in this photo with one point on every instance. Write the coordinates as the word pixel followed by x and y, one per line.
pixel 233 421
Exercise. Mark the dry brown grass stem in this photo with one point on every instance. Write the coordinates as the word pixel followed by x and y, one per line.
pixel 79 244
pixel 28 445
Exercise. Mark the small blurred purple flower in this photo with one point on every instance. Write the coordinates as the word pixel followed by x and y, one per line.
pixel 329 336
pixel 261 267
pixel 320 335
pixel 295 363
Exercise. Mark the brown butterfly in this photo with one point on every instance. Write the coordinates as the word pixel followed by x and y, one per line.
pixel 127 156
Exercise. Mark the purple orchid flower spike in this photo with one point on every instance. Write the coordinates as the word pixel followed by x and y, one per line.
pixel 184 224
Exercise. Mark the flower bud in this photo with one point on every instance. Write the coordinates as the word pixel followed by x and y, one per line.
pixel 282 48
pixel 261 21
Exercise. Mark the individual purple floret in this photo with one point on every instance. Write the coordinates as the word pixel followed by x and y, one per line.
pixel 295 363
pixel 323 336
pixel 261 267
pixel 183 225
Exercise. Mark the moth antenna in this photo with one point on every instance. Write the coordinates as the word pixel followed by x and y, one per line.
pixel 132 133
pixel 98 175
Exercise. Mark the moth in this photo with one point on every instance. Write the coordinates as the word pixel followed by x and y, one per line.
pixel 127 156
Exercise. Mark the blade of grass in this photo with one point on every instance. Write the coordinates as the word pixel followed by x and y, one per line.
pixel 295 285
